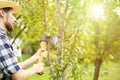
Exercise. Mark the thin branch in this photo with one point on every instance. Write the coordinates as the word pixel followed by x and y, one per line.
pixel 45 34
pixel 18 34
pixel 66 7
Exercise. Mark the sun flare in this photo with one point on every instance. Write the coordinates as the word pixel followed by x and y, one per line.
pixel 97 11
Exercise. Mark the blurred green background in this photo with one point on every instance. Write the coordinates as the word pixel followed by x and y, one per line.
pixel 89 37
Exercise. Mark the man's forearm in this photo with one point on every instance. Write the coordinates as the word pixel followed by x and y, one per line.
pixel 27 62
pixel 23 74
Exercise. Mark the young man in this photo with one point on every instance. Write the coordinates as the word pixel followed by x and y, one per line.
pixel 10 69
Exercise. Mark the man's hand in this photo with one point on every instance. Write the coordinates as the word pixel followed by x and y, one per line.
pixel 39 68
pixel 41 52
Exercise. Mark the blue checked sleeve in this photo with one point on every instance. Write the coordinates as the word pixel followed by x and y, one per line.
pixel 8 61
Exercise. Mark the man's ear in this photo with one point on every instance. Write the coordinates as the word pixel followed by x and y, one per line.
pixel 1 13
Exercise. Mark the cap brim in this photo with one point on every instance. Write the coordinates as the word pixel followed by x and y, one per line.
pixel 16 7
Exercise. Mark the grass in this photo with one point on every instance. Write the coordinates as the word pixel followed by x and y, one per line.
pixel 109 71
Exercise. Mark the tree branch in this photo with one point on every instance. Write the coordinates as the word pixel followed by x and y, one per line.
pixel 18 34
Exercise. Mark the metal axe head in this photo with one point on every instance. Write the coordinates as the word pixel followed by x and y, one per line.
pixel 50 39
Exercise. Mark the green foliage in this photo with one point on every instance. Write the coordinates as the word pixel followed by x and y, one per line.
pixel 85 38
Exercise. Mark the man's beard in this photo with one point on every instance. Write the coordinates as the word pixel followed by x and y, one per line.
pixel 8 26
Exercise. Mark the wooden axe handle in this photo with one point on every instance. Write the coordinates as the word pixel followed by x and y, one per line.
pixel 43 45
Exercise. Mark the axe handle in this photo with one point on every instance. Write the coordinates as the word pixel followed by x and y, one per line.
pixel 41 59
pixel 43 45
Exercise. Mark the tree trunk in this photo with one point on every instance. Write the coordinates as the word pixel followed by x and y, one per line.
pixel 98 63
pixel 61 37
pixel 46 34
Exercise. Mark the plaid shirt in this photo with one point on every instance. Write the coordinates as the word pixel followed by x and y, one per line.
pixel 8 61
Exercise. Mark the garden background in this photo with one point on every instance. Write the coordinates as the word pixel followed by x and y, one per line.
pixel 89 37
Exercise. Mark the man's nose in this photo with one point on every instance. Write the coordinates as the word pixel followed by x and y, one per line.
pixel 15 20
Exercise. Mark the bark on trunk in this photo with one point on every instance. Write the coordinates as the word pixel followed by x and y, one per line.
pixel 98 63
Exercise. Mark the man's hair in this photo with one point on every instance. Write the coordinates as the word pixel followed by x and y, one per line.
pixel 7 9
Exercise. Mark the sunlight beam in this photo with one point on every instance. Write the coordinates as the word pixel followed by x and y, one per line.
pixel 97 11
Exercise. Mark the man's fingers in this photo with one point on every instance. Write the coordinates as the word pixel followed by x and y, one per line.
pixel 44 54
pixel 39 67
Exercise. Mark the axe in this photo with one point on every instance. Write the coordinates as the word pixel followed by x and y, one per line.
pixel 43 44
